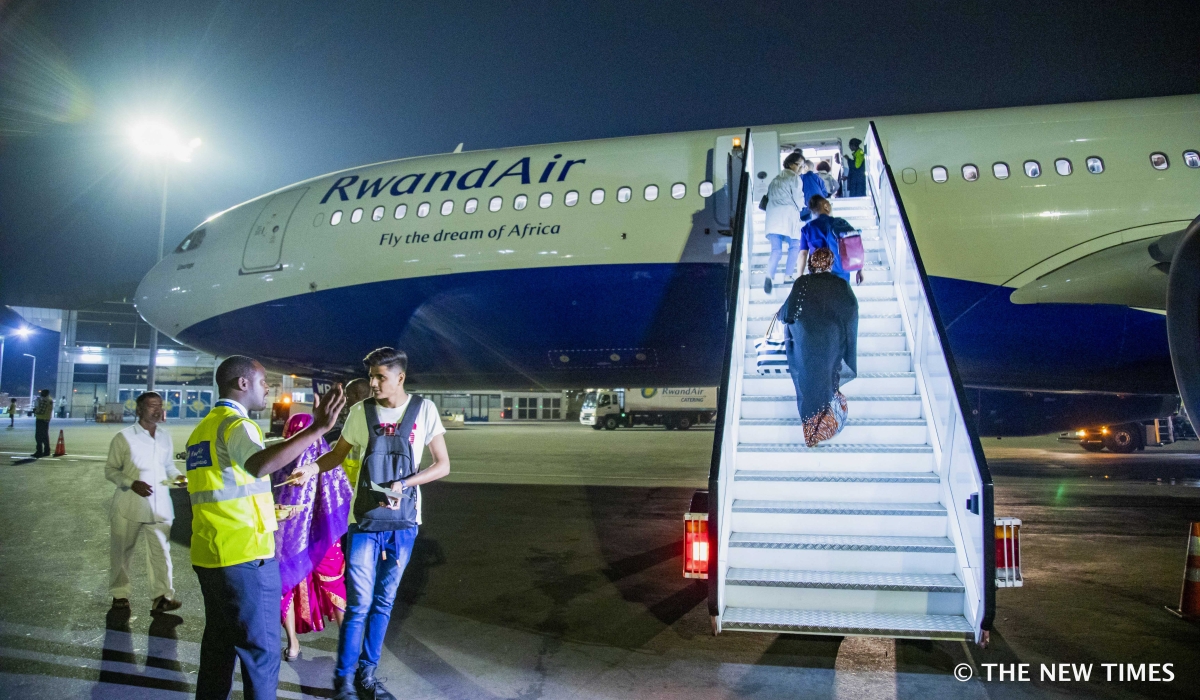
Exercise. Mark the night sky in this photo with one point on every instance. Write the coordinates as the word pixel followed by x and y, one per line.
pixel 283 91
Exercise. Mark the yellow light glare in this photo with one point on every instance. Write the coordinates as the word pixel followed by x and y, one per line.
pixel 1081 433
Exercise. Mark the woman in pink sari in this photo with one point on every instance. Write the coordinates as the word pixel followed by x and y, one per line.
pixel 308 543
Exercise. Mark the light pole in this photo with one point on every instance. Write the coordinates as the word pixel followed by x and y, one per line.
pixel 162 143
pixel 32 377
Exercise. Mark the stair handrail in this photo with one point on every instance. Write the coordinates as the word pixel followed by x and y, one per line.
pixel 725 397
pixel 986 509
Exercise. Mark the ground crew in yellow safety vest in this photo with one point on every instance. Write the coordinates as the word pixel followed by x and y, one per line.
pixel 233 526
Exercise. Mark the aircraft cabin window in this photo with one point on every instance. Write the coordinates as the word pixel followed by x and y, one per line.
pixel 377 214
pixel 545 200
pixel 192 242
pixel 356 216
pixel 970 173
pixel 939 174
pixel 336 218
pixel 624 194
pixel 1062 166
pixel 447 207
pixel 678 190
pixel 706 189
pixel 1191 159
pixel 597 196
pixel 1095 165
pixel 495 203
pixel 1033 168
pixel 423 209
pixel 1159 161
pixel 520 202
pixel 1000 170
pixel 571 198
pixel 470 205
pixel 401 210
pixel 650 193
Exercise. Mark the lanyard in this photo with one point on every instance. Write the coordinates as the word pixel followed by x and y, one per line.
pixel 229 404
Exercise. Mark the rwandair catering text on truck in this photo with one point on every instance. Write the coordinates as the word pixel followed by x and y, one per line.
pixel 670 408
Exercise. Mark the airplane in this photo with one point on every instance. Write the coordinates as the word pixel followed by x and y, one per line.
pixel 603 262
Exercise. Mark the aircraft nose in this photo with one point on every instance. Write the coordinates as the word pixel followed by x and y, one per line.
pixel 151 298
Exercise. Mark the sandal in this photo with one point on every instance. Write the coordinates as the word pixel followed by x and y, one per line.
pixel 289 657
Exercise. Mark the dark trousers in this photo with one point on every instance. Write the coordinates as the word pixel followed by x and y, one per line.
pixel 42 435
pixel 241 621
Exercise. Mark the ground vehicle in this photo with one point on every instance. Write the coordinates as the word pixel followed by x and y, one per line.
pixel 283 410
pixel 1128 437
pixel 668 407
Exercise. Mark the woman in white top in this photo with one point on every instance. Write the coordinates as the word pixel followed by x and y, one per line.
pixel 785 201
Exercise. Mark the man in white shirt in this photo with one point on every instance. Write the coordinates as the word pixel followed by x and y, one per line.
pixel 141 464
pixel 381 445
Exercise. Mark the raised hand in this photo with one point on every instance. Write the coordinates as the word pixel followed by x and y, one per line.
pixel 325 413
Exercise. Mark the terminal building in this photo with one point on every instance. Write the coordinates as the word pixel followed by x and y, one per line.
pixel 104 353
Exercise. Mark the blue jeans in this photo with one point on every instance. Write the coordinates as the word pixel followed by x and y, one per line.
pixel 777 252
pixel 241 622
pixel 374 564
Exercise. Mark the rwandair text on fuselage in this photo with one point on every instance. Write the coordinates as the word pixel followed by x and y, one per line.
pixel 478 178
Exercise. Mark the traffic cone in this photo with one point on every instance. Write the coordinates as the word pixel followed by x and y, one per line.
pixel 61 448
pixel 1189 599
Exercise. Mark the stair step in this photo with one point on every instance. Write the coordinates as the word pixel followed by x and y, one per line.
pixel 884 554
pixel 868 362
pixel 844 457
pixel 866 290
pixel 844 591
pixel 871 273
pixel 854 430
pixel 836 477
pixel 886 406
pixel 867 323
pixel 865 384
pixel 951 627
pixel 827 486
pixel 766 540
pixel 845 580
pixel 927 519
pixel 838 508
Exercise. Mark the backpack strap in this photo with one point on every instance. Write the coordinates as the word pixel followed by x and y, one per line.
pixel 409 422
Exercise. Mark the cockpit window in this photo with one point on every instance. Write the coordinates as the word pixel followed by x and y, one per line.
pixel 192 242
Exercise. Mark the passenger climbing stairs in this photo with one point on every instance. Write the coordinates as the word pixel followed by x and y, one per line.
pixel 867 533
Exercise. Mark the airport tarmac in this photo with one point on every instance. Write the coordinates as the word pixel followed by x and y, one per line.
pixel 549 567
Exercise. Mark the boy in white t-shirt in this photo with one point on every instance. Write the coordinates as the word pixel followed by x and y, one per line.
pixel 382 441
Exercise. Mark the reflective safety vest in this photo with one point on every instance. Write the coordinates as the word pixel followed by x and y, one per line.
pixel 233 513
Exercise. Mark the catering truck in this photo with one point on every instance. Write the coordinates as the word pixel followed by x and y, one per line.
pixel 674 409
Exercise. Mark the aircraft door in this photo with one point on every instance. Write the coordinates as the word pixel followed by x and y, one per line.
pixel 765 157
pixel 726 176
pixel 264 246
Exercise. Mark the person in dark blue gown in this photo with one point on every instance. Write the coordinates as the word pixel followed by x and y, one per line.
pixel 821 316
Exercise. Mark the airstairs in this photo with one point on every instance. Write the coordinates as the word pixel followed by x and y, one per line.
pixel 881 530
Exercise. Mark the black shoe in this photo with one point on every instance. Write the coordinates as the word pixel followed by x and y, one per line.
pixel 767 284
pixel 343 688
pixel 370 687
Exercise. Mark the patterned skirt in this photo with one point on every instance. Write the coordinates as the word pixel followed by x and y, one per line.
pixel 827 422
pixel 320 593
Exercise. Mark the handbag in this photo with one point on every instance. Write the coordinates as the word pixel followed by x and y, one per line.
pixel 769 350
pixel 850 250
pixel 762 204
